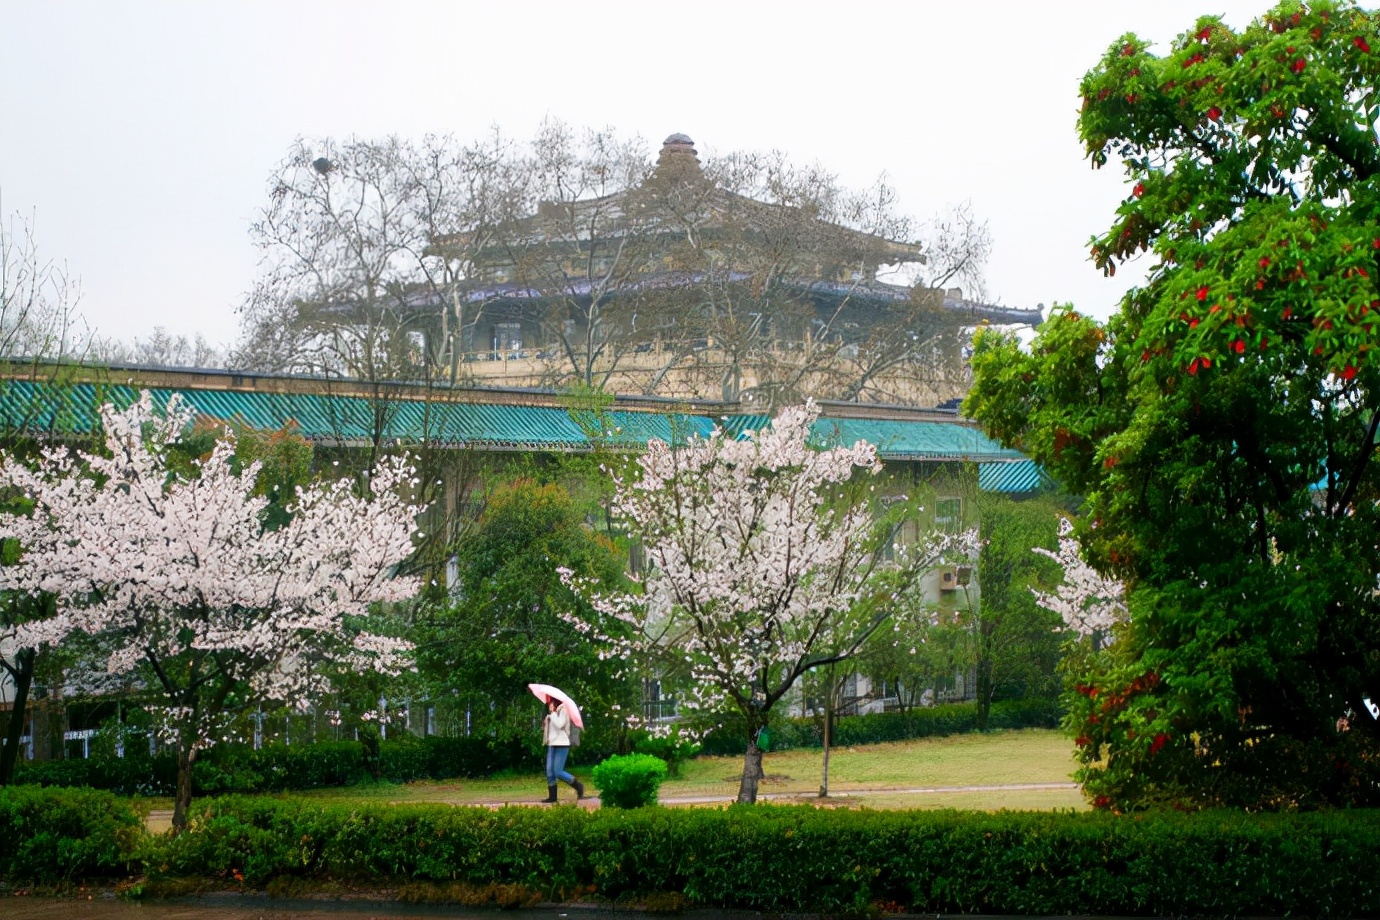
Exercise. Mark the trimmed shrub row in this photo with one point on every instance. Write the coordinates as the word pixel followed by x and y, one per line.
pixel 804 859
pixel 57 835
pixel 929 722
pixel 273 768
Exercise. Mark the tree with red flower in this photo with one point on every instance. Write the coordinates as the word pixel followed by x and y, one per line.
pixel 1243 503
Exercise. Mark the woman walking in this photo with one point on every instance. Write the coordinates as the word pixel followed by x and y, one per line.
pixel 555 734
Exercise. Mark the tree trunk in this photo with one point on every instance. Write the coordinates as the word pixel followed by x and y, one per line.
pixel 186 755
pixel 831 688
pixel 23 674
pixel 984 674
pixel 984 692
pixel 828 720
pixel 752 772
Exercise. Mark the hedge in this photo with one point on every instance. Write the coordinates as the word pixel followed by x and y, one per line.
pixel 768 858
pixel 798 858
pixel 56 835
pixel 877 728
pixel 278 767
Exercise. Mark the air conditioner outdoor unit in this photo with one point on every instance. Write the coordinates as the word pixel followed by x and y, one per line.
pixel 955 577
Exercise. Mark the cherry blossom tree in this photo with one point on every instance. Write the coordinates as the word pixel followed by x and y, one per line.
pixel 1089 603
pixel 764 562
pixel 187 591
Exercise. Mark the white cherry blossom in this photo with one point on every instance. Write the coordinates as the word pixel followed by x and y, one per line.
pixel 184 586
pixel 1089 603
pixel 756 574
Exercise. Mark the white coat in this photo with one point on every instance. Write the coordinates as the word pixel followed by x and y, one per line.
pixel 556 728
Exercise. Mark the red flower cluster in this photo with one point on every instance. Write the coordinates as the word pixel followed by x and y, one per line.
pixel 1361 43
pixel 1139 189
pixel 1158 743
pixel 1349 372
pixel 1214 113
pixel 1202 293
pixel 1147 681
pixel 1238 346
pixel 1298 65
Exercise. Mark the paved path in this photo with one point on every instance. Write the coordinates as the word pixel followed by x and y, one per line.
pixel 161 819
pixel 103 906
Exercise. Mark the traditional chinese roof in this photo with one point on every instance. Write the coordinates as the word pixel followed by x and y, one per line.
pixel 677 166
pixel 1014 477
pixel 863 293
pixel 347 412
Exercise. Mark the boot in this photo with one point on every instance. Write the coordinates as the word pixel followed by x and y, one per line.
pixel 579 788
pixel 550 794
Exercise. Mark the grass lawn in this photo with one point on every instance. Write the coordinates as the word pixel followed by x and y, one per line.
pixel 886 772
pixel 927 773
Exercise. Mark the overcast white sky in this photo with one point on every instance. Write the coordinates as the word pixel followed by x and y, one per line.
pixel 141 134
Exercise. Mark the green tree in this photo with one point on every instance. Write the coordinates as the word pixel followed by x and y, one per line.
pixel 1222 424
pixel 1015 646
pixel 19 663
pixel 506 625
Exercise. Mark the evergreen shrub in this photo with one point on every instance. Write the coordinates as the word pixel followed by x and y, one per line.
pixel 238 769
pixel 59 835
pixel 629 780
pixel 881 727
pixel 134 774
pixel 798 858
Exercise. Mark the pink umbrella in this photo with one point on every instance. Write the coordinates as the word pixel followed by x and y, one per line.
pixel 542 691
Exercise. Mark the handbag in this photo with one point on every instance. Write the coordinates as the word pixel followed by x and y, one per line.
pixel 574 736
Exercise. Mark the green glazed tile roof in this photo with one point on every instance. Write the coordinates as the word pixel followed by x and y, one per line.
pixel 896 439
pixel 349 419
pixel 1012 477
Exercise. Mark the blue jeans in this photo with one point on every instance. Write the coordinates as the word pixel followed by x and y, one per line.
pixel 555 764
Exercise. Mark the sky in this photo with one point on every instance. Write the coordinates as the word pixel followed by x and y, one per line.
pixel 139 136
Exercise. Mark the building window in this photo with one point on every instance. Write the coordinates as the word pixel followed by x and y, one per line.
pixel 948 514
pixel 656 707
pixel 507 338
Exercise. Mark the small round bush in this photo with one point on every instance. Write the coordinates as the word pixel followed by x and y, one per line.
pixel 629 780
